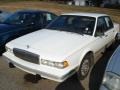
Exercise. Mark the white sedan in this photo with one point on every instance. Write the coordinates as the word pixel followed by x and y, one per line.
pixel 68 45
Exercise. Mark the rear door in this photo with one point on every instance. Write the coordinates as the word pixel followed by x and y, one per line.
pixel 109 32
pixel 100 37
pixel 24 27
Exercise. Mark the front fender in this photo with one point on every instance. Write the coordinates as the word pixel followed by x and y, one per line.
pixel 84 53
pixel 76 58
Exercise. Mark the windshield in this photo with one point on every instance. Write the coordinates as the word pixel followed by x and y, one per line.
pixel 4 16
pixel 76 24
pixel 17 19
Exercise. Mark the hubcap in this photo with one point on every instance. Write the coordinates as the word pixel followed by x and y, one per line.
pixel 85 67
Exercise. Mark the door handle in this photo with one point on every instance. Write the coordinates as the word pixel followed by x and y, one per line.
pixel 106 35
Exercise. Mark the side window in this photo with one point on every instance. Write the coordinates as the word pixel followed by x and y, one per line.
pixel 109 22
pixel 36 19
pixel 101 26
pixel 26 19
pixel 33 19
pixel 47 17
pixel 53 16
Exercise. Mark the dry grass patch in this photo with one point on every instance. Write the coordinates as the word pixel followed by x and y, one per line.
pixel 58 8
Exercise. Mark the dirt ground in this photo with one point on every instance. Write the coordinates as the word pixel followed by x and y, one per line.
pixel 15 79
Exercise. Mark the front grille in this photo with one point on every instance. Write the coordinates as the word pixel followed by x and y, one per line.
pixel 26 56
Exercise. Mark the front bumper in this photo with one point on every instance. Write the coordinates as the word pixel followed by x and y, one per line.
pixel 51 73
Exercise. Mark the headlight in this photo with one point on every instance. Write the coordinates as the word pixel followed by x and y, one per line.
pixel 55 64
pixel 8 49
pixel 111 81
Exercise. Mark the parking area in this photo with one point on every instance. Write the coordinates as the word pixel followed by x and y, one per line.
pixel 15 79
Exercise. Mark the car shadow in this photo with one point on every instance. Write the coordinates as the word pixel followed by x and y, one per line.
pixel 32 78
pixel 97 72
pixel 71 83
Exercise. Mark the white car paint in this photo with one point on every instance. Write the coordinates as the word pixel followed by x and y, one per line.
pixel 57 49
pixel 59 46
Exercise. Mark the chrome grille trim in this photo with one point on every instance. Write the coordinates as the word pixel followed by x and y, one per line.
pixel 26 55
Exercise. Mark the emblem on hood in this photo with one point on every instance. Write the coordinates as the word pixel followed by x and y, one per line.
pixel 28 46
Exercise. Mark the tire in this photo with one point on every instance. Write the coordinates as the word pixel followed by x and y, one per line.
pixel 85 66
pixel 2 49
pixel 117 39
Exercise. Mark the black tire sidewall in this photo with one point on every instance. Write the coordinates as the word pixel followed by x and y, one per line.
pixel 89 58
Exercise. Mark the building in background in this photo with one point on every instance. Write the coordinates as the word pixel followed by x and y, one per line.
pixel 81 2
pixel 115 1
pixel 111 3
pixel 98 3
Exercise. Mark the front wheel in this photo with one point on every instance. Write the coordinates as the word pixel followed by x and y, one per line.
pixel 85 66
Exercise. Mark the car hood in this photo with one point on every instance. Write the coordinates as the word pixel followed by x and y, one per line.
pixel 51 43
pixel 6 27
pixel 114 63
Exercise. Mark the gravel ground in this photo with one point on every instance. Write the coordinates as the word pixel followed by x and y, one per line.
pixel 15 79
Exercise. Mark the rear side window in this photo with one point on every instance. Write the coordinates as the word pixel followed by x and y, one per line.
pixel 109 22
pixel 36 19
pixel 48 17
pixel 101 24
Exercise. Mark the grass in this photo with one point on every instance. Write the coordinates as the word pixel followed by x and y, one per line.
pixel 57 8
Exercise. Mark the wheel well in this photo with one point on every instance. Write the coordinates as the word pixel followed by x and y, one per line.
pixel 90 53
pixel 85 54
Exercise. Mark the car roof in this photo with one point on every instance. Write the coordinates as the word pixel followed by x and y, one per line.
pixel 32 11
pixel 86 14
